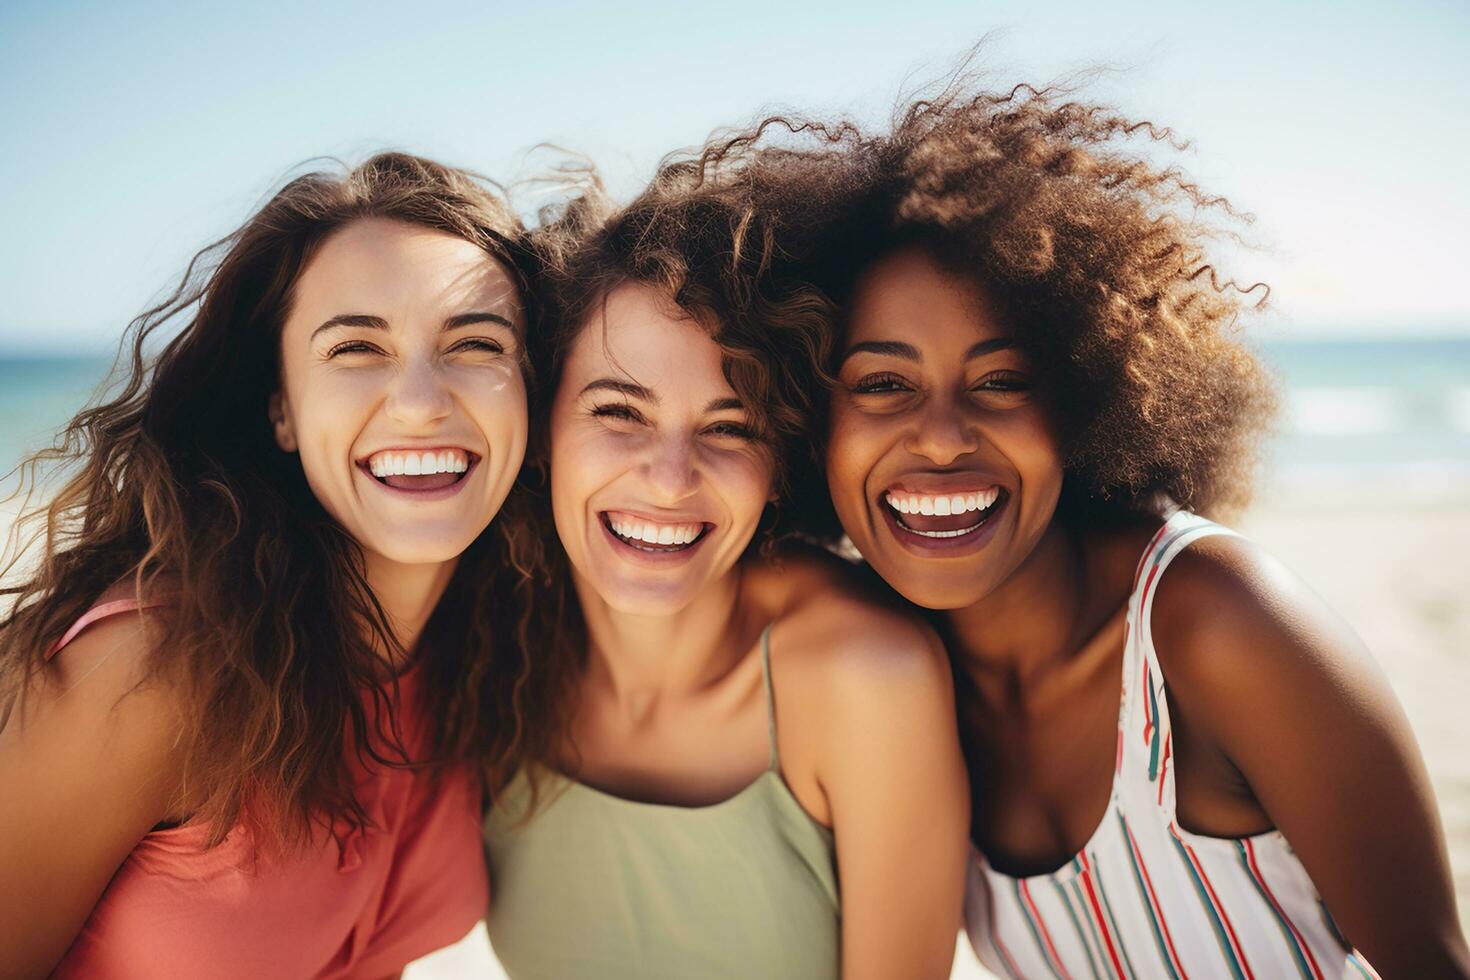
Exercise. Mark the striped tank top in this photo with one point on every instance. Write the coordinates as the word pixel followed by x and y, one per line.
pixel 1145 897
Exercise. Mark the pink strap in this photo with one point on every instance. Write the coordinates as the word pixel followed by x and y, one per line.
pixel 101 611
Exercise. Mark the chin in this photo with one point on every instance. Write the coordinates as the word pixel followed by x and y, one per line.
pixel 938 592
pixel 425 548
pixel 646 600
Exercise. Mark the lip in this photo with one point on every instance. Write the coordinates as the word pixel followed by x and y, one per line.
pixel 966 544
pixel 652 559
pixel 420 496
pixel 942 484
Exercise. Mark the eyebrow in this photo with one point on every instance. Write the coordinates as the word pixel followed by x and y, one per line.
pixel 371 322
pixel 896 348
pixel 628 388
pixel 634 390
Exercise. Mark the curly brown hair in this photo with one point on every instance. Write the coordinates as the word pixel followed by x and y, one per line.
pixel 175 486
pixel 1098 258
pixel 712 252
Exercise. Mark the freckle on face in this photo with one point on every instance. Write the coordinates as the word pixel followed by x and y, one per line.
pixel 941 428
pixel 407 383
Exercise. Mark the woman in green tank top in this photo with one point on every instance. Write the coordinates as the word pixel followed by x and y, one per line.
pixel 753 770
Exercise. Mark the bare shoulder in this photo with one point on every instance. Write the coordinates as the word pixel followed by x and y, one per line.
pixel 1230 621
pixel 103 680
pixel 111 656
pixel 95 750
pixel 837 631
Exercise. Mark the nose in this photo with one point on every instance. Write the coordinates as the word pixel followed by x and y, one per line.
pixel 672 469
pixel 943 432
pixel 419 396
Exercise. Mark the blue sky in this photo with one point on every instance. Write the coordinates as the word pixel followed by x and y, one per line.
pixel 137 132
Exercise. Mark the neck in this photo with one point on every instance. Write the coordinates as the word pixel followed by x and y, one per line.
pixel 408 594
pixel 1032 621
pixel 644 659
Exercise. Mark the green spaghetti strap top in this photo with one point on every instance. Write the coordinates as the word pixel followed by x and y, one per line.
pixel 597 887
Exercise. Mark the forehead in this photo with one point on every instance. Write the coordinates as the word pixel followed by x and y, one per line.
pixel 380 266
pixel 907 296
pixel 640 334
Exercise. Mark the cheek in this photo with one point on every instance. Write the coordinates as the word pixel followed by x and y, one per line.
pixel 582 460
pixel 1030 441
pixel 745 482
pixel 854 445
pixel 498 395
pixel 331 409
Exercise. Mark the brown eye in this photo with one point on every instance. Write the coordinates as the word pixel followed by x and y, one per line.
pixel 880 384
pixel 620 412
pixel 733 430
pixel 352 347
pixel 479 345
pixel 1004 382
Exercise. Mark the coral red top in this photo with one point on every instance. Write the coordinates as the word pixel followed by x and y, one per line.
pixel 412 882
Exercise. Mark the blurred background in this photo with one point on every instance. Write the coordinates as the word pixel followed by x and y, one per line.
pixel 137 133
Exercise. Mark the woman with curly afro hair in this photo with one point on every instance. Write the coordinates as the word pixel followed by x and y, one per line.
pixel 1037 403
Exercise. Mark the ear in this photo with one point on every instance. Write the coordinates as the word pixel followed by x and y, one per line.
pixel 282 423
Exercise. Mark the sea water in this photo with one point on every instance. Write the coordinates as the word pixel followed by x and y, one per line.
pixel 1352 410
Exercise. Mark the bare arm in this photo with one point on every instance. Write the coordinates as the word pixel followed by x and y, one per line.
pixel 894 779
pixel 1289 695
pixel 86 771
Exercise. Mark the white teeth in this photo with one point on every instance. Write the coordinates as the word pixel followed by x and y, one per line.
pixel 647 532
pixel 942 506
pixel 946 534
pixel 396 463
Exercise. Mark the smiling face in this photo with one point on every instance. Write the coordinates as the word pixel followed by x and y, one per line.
pixel 402 388
pixel 657 481
pixel 943 465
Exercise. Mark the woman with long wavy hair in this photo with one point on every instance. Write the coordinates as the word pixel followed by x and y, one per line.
pixel 748 769
pixel 249 684
pixel 1181 763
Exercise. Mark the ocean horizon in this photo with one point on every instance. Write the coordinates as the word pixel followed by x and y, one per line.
pixel 1354 409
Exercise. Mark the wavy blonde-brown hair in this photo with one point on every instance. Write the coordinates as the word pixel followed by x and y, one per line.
pixel 713 254
pixel 271 635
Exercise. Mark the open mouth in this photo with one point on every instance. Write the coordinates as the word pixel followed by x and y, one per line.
pixel 651 536
pixel 420 469
pixel 943 517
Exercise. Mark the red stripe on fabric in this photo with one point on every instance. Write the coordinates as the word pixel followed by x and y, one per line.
pixel 1051 949
pixel 1164 765
pixel 1097 916
pixel 1153 543
pixel 1250 853
pixel 1145 683
pixel 1219 909
pixel 1005 954
pixel 1153 574
pixel 1153 900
